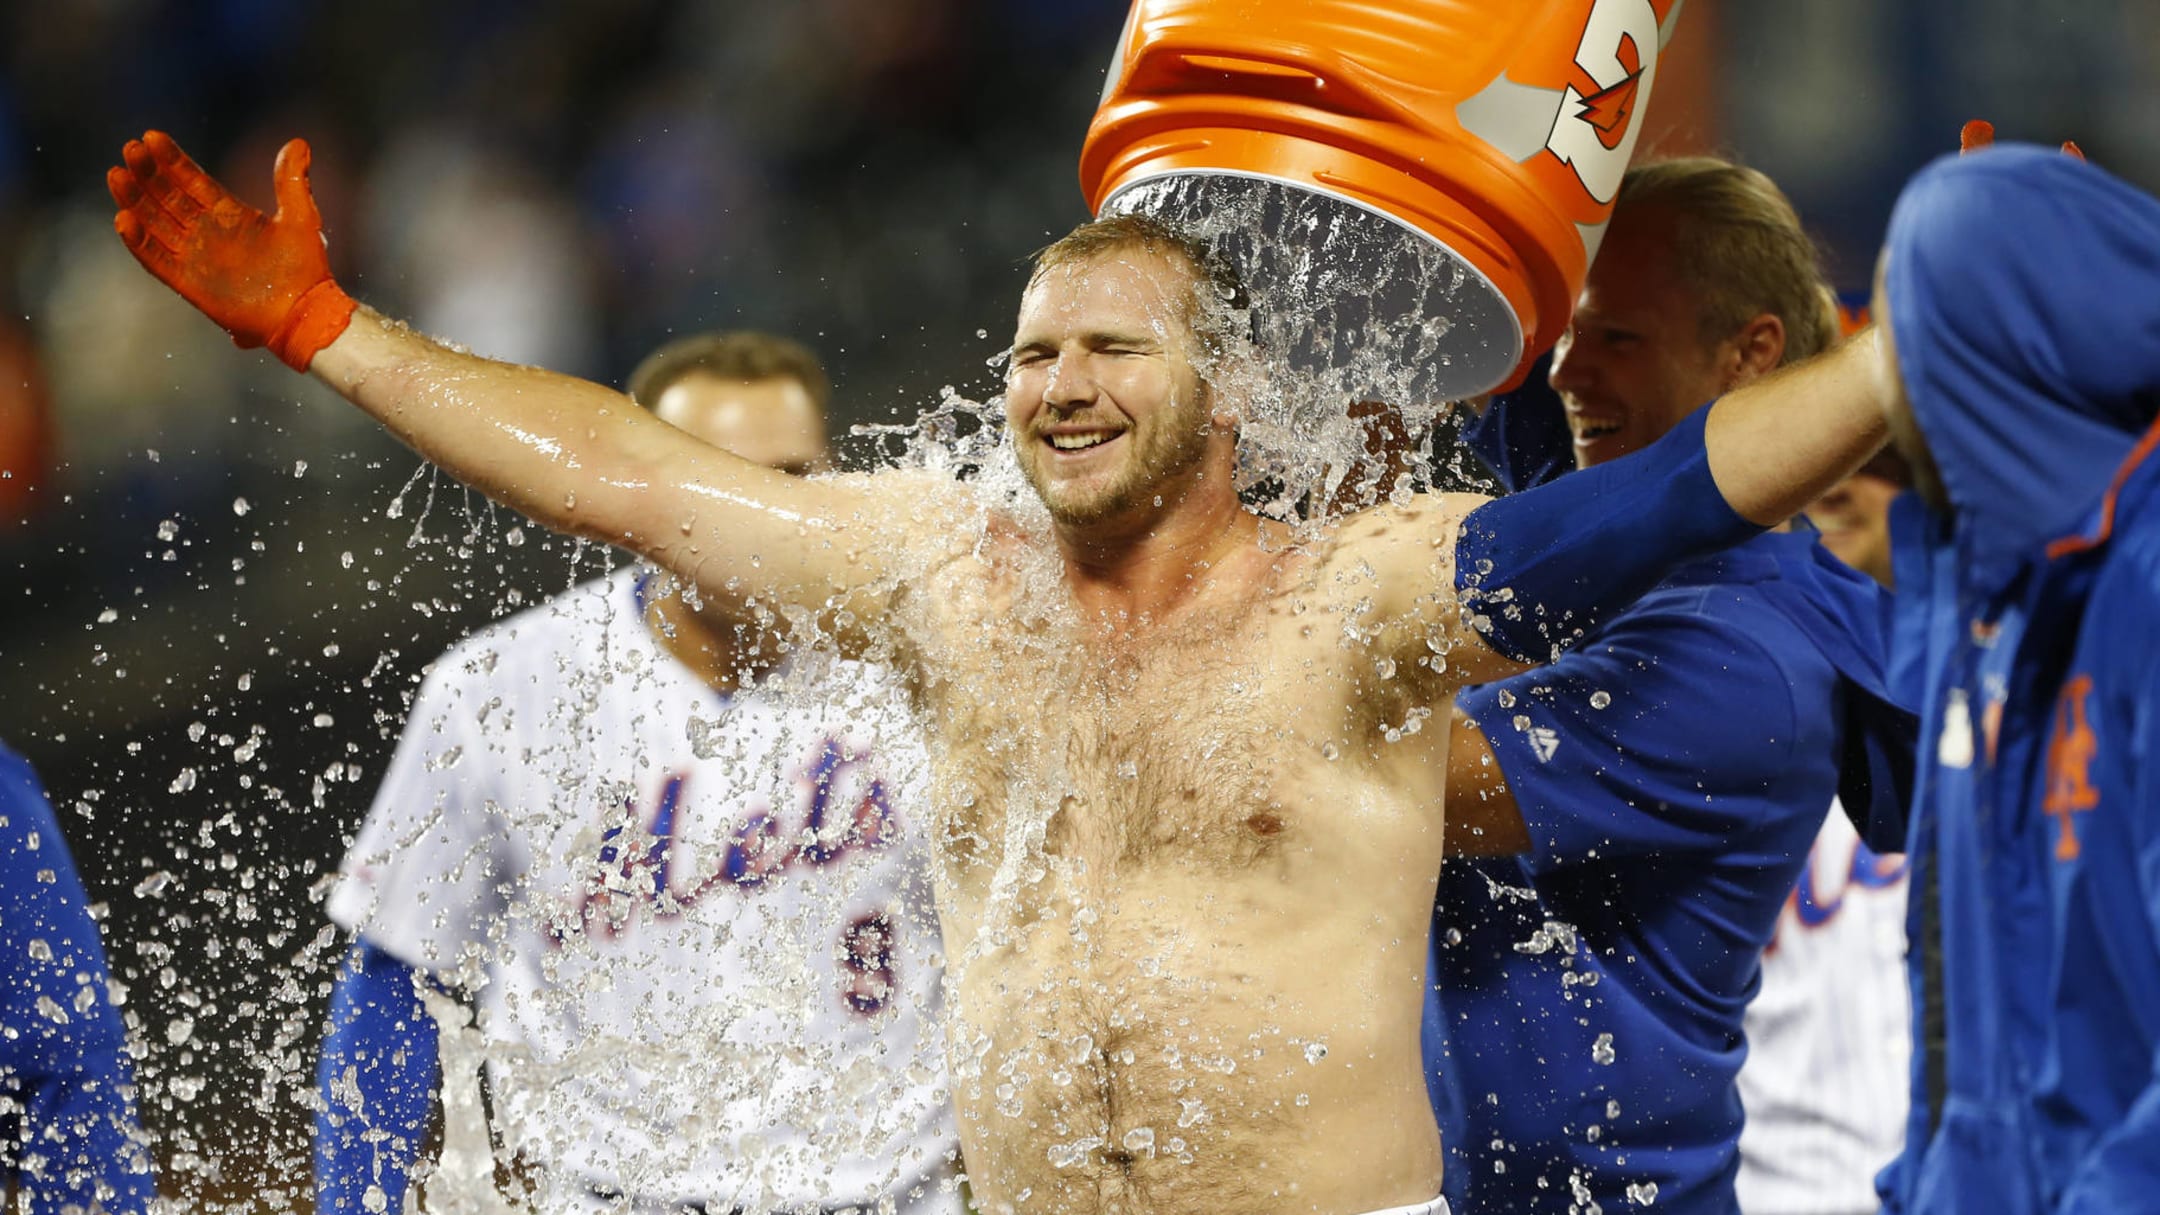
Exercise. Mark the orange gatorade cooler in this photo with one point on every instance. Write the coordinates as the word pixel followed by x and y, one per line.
pixel 1439 170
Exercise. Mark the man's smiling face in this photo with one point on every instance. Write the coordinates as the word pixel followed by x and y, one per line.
pixel 1106 409
pixel 1633 362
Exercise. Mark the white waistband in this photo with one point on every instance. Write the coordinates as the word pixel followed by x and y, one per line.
pixel 1437 1206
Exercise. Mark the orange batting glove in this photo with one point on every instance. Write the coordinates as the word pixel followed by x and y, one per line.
pixel 264 278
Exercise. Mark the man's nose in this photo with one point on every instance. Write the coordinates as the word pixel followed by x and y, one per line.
pixel 1071 385
pixel 1571 369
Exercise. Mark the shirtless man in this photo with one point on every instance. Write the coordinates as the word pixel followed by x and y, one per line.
pixel 1186 818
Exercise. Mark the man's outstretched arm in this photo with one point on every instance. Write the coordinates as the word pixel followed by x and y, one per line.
pixel 572 455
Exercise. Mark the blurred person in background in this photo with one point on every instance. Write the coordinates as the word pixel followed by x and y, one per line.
pixel 677 868
pixel 26 436
pixel 1633 817
pixel 1853 519
pixel 2018 294
pixel 476 245
pixel 69 1138
pixel 1830 1032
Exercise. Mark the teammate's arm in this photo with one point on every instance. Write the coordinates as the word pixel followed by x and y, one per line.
pixel 376 1078
pixel 1527 574
pixel 574 456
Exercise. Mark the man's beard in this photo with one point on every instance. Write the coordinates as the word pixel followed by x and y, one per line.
pixel 1176 446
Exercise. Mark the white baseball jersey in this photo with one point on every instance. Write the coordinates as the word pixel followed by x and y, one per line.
pixel 1825 1084
pixel 698 925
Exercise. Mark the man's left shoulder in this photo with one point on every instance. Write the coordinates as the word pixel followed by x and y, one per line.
pixel 1423 519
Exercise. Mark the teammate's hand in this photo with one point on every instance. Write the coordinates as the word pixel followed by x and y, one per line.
pixel 264 278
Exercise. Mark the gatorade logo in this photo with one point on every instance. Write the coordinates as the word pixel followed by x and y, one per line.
pixel 1594 132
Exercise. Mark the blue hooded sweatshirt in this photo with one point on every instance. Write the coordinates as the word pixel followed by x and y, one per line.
pixel 2024 302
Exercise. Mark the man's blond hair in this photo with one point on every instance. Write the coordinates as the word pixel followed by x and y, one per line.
pixel 1740 248
pixel 1220 308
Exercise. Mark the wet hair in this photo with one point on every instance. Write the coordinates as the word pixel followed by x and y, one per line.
pixel 1741 249
pixel 1221 306
pixel 741 354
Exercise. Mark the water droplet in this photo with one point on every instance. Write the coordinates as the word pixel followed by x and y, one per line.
pixel 1066 1155
pixel 39 950
pixel 1330 752
pixel 1600 699
pixel 1315 1051
pixel 168 529
pixel 1602 1050
pixel 1140 1139
pixel 1642 1193
pixel 515 537
pixel 107 616
pixel 240 506
pixel 345 559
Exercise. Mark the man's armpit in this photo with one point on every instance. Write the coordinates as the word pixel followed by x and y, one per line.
pixel 1482 816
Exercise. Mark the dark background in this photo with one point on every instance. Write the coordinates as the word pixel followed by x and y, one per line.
pixel 225 584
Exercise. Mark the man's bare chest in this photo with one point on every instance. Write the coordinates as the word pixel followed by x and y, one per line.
pixel 1213 741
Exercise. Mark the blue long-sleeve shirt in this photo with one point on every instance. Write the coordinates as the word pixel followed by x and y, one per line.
pixel 68 1131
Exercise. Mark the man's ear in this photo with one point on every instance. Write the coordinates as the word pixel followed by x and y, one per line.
pixel 1757 349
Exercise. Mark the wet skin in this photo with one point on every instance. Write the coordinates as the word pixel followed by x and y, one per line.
pixel 1199 986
